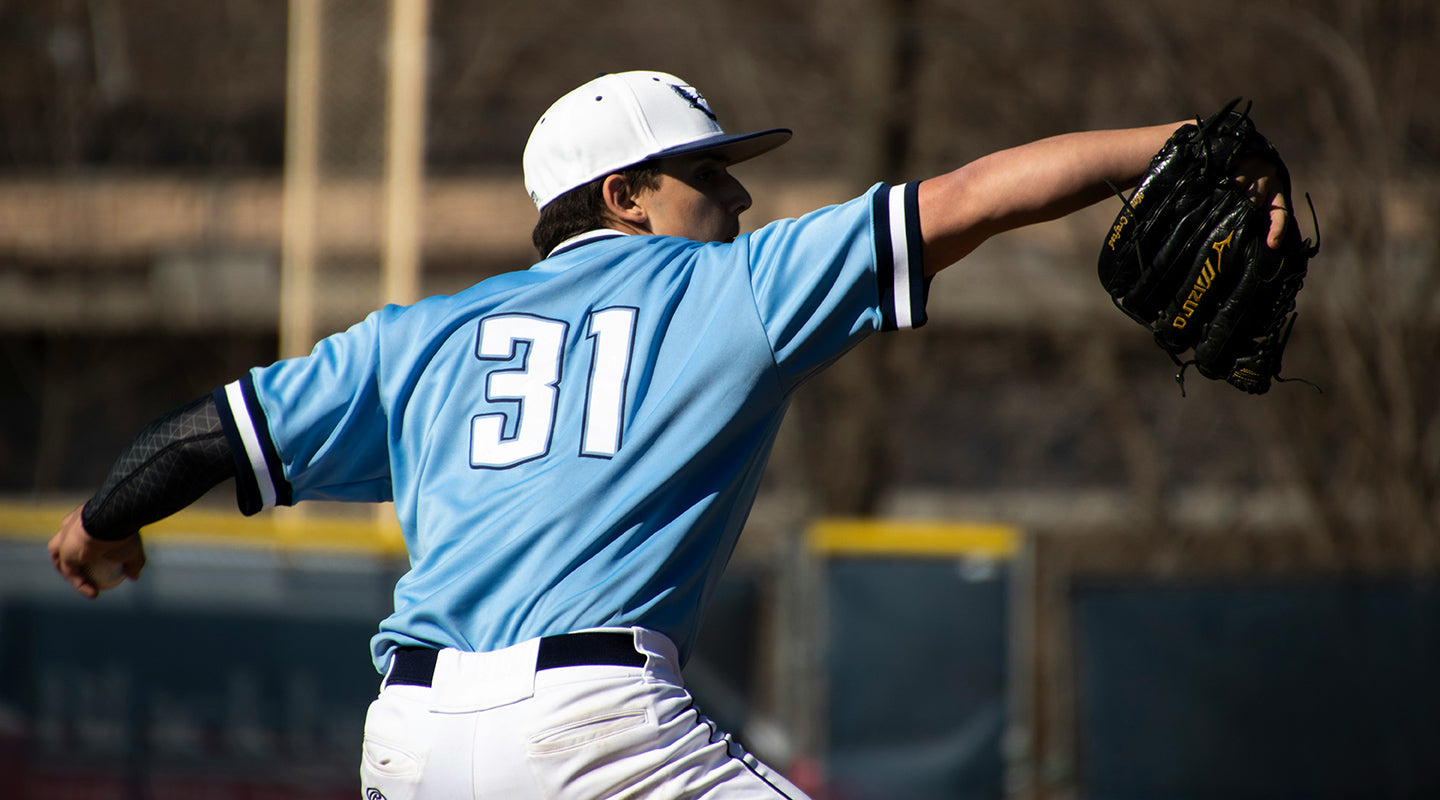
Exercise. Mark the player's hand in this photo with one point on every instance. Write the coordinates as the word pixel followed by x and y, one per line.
pixel 1261 181
pixel 92 565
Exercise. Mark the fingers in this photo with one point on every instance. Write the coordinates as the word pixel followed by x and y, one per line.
pixel 73 571
pixel 1279 220
pixel 131 555
pixel 1262 187
pixel 86 587
pixel 74 554
pixel 66 555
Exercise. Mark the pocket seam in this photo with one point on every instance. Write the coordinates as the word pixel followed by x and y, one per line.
pixel 558 740
pixel 412 768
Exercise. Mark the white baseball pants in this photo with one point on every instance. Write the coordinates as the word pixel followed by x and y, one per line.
pixel 490 725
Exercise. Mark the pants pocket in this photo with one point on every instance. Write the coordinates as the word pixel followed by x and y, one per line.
pixel 592 731
pixel 392 760
pixel 386 759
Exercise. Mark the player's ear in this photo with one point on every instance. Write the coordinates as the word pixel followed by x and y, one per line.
pixel 623 202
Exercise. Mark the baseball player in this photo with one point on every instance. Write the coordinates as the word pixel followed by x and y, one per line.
pixel 572 449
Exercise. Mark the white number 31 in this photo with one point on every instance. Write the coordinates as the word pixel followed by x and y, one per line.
pixel 535 386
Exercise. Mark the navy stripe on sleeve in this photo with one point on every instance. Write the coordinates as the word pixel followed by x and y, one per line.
pixel 247 490
pixel 919 283
pixel 261 482
pixel 884 261
pixel 283 493
pixel 899 264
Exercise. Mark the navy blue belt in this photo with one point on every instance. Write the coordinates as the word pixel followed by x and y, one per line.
pixel 415 666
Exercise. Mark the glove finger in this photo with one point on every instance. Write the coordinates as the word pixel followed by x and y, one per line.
pixel 1216 257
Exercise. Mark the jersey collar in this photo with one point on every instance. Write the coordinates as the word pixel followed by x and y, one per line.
pixel 583 239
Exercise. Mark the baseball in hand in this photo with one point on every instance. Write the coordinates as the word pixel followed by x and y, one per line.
pixel 106 574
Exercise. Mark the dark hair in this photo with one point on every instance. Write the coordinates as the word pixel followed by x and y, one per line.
pixel 583 208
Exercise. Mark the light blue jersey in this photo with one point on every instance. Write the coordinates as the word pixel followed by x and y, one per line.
pixel 576 445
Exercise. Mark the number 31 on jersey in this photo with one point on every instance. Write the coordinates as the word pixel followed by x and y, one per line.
pixel 535 385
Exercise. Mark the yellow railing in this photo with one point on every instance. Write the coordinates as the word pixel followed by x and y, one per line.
pixel 912 538
pixel 280 529
pixel 291 530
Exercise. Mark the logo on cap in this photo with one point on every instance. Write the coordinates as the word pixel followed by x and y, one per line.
pixel 696 102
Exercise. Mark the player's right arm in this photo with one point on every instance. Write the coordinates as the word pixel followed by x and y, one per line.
pixel 170 464
pixel 334 433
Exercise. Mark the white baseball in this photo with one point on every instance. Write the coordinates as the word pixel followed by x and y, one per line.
pixel 106 574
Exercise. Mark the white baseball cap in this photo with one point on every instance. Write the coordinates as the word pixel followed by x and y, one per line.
pixel 621 119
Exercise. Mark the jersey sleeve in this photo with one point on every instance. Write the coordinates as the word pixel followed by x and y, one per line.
pixel 311 428
pixel 824 281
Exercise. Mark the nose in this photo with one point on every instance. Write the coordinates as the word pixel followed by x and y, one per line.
pixel 740 199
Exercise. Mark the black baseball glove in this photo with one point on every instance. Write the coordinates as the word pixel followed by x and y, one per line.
pixel 1187 256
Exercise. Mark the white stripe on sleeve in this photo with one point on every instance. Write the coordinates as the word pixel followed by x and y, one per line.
pixel 253 451
pixel 900 254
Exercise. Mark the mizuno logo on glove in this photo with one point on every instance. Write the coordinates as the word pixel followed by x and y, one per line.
pixel 1202 283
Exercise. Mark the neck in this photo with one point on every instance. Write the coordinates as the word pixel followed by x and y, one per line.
pixel 627 228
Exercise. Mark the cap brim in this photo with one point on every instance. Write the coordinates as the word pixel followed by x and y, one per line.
pixel 733 149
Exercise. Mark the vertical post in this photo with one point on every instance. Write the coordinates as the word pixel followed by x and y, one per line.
pixel 405 148
pixel 302 160
pixel 1022 674
pixel 404 163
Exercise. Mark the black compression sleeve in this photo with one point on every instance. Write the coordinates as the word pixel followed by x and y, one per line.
pixel 171 463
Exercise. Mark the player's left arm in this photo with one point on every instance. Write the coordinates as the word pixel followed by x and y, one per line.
pixel 1048 179
pixel 170 464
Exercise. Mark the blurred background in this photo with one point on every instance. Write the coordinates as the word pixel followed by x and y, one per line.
pixel 1000 556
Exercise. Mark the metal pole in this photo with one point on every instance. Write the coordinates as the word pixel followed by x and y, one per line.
pixel 405 148
pixel 302 157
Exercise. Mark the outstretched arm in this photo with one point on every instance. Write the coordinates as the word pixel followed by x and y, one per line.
pixel 1046 180
pixel 170 464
